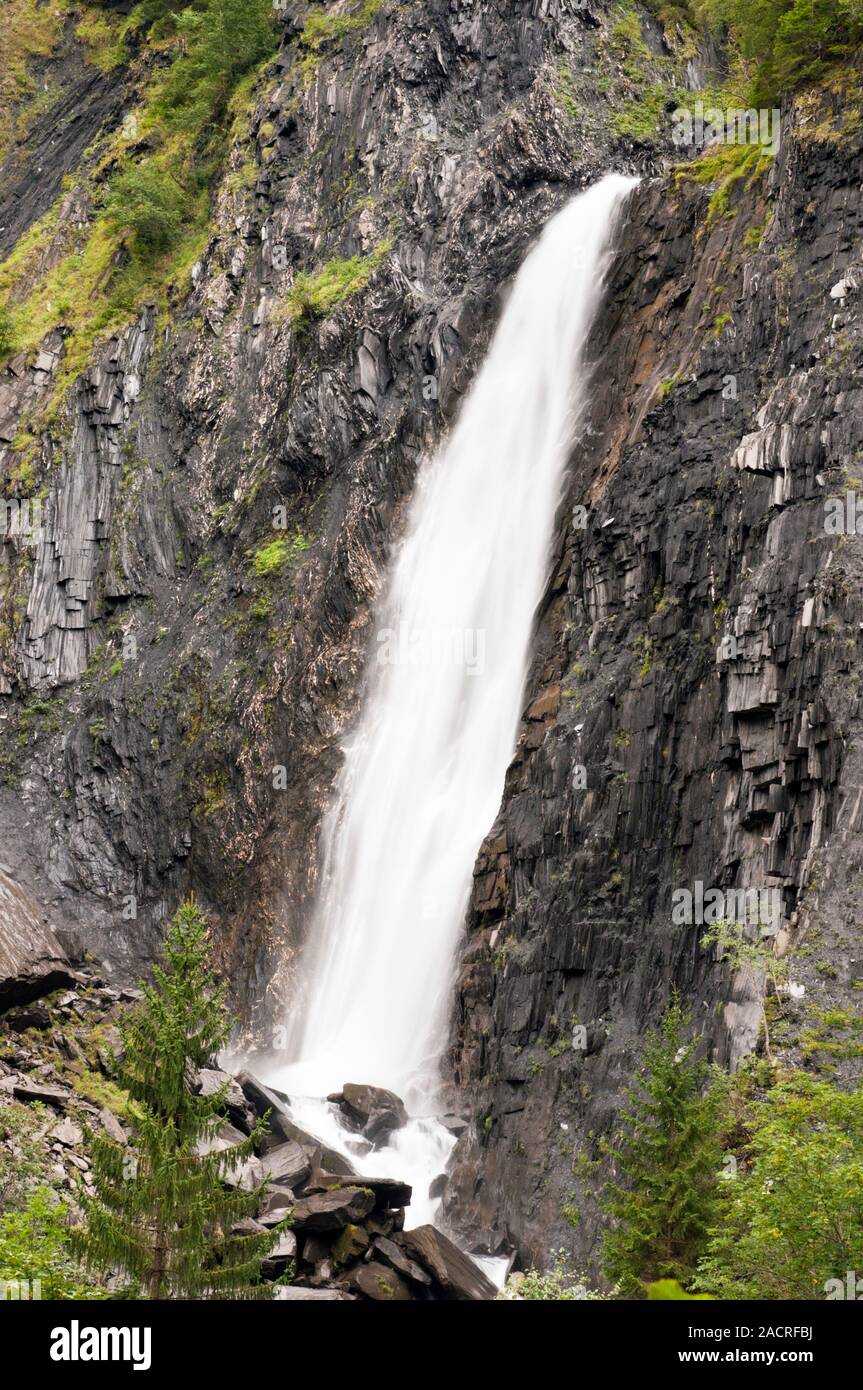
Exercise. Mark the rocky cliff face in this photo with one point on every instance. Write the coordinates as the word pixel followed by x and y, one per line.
pixel 174 690
pixel 694 709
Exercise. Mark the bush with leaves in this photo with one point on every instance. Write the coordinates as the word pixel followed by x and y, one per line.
pixel 668 1155
pixel 7 332
pixel 148 202
pixel 34 1249
pixel 788 43
pixel 555 1285
pixel 792 1217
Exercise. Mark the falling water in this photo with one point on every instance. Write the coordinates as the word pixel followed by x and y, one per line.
pixel 423 773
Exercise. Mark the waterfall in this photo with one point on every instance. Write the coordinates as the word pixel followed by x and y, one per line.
pixel 424 770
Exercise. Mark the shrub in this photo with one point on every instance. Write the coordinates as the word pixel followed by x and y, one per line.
pixel 668 1153
pixel 792 1218
pixel 34 1245
pixel 148 202
pixel 7 332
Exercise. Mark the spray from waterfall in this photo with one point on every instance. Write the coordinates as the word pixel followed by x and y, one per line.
pixel 424 770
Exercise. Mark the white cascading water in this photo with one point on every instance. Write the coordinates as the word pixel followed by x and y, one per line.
pixel 424 770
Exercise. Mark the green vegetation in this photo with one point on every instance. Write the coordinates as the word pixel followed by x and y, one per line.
pixel 34 1247
pixel 151 180
pixel 640 118
pixel 559 1284
pixel 324 27
pixel 280 552
pixel 667 1153
pixel 783 1216
pixel 792 1219
pixel 7 333
pixel 315 296
pixel 161 1207
pixel 785 44
pixel 28 30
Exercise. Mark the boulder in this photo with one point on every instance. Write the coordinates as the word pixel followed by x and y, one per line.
pixel 286 1164
pixel 380 1282
pixel 278 1259
pixel 370 1109
pixel 331 1211
pixel 68 1134
pixel 352 1242
pixel 32 1016
pixel 291 1293
pixel 32 962
pixel 264 1101
pixel 400 1261
pixel 455 1273
pixel 275 1207
pixel 112 1126
pixel 48 1095
pixel 209 1080
pixel 389 1193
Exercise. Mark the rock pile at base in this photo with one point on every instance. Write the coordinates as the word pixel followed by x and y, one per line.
pixel 345 1239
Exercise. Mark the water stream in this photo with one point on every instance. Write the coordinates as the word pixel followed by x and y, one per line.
pixel 424 768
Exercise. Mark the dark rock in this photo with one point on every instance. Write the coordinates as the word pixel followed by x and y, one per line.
pixel 389 1193
pixel 394 1255
pixel 438 1185
pixel 380 1282
pixel 275 1207
pixel 281 1255
pixel 457 1275
pixel 32 962
pixel 248 1226
pixel 48 1095
pixel 210 1080
pixel 351 1243
pixel 34 1016
pixel 287 1165
pixel 331 1211
pixel 370 1109
pixel 266 1101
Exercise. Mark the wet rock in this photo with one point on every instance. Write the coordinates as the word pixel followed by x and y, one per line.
pixel 268 1102
pixel 371 1110
pixel 456 1274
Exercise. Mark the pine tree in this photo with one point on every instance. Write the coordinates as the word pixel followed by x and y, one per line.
pixel 161 1209
pixel 668 1155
